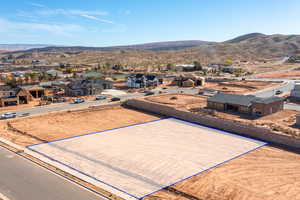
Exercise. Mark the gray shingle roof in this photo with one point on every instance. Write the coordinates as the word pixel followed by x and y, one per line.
pixel 244 100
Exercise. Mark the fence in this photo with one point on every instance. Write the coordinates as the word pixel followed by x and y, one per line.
pixel 223 124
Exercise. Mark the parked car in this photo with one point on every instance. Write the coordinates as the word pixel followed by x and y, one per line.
pixel 100 98
pixel 8 115
pixel 115 99
pixel 149 93
pixel 79 100
pixel 278 92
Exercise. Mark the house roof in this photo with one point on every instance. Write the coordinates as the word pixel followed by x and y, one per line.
pixel 268 99
pixel 244 100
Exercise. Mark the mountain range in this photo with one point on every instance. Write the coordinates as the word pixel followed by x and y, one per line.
pixel 253 46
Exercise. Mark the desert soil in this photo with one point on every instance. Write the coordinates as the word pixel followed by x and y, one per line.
pixel 48 127
pixel 286 74
pixel 179 100
pixel 267 173
pixel 283 121
pixel 241 87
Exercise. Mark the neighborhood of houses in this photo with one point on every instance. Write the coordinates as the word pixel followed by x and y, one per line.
pixel 49 84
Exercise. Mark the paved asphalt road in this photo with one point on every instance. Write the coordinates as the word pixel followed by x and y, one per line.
pixel 21 179
pixel 68 106
pixel 286 88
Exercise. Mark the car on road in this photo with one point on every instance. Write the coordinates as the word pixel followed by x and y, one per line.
pixel 8 115
pixel 278 92
pixel 115 99
pixel 79 100
pixel 100 98
pixel 148 93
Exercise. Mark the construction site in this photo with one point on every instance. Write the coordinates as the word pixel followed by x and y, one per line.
pixel 128 136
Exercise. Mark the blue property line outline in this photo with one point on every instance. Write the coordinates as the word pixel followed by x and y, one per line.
pixel 92 133
pixel 81 172
pixel 215 166
pixel 220 131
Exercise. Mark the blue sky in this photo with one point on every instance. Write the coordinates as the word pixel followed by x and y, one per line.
pixel 121 22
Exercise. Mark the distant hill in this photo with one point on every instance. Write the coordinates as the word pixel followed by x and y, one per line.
pixel 170 45
pixel 254 46
pixel 155 46
pixel 21 47
pixel 245 37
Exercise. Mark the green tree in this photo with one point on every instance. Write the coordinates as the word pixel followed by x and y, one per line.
pixel 197 65
pixel 11 81
pixel 228 62
pixel 170 67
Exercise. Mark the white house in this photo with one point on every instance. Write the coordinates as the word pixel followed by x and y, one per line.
pixel 295 93
pixel 142 81
pixel 54 73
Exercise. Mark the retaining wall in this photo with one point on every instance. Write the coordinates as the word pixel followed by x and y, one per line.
pixel 224 124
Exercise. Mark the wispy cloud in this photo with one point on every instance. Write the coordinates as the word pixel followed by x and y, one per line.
pixel 44 11
pixel 97 19
pixel 61 11
pixel 37 5
pixel 12 27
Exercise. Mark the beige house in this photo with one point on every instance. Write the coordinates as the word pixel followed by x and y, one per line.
pixel 19 95
pixel 188 80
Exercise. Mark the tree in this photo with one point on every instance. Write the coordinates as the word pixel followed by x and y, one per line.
pixel 228 62
pixel 11 81
pixel 197 65
pixel 170 67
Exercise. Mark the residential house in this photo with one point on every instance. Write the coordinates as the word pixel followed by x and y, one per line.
pixel 185 67
pixel 84 87
pixel 230 69
pixel 142 81
pixel 246 104
pixel 188 80
pixel 54 73
pixel 10 95
pixel 295 92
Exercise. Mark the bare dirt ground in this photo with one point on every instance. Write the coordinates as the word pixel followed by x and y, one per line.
pixel 37 129
pixel 241 87
pixel 283 121
pixel 236 86
pixel 187 101
pixel 270 67
pixel 284 74
pixel 267 173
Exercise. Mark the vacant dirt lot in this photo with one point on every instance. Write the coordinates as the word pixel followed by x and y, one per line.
pixel 283 121
pixel 241 87
pixel 284 74
pixel 267 173
pixel 179 100
pixel 37 129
